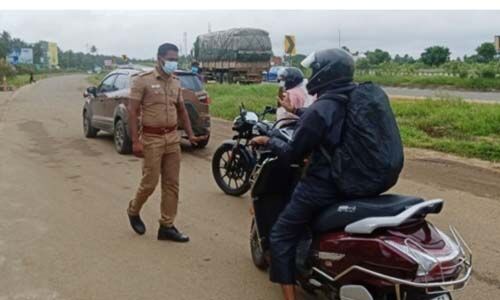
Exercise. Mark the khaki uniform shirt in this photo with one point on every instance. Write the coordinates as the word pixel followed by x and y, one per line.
pixel 159 96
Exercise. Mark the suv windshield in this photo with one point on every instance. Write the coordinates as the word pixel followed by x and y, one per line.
pixel 190 81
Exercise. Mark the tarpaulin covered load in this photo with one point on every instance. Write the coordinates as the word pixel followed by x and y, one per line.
pixel 238 44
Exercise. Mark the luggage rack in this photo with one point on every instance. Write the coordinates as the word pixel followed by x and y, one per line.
pixel 430 287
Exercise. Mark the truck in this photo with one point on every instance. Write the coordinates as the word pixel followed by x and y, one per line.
pixel 238 55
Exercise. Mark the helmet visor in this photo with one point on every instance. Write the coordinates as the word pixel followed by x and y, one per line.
pixel 309 60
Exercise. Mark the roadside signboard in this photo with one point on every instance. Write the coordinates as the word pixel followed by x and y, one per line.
pixel 21 56
pixel 52 54
pixel 290 48
pixel 108 62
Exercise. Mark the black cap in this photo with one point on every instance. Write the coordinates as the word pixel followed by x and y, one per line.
pixel 164 48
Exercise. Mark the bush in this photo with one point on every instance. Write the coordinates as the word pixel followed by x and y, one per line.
pixel 488 72
pixel 6 70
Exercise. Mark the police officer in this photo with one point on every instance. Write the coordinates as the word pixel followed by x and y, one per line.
pixel 319 125
pixel 157 96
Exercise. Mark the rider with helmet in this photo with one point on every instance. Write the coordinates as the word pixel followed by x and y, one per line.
pixel 291 79
pixel 320 125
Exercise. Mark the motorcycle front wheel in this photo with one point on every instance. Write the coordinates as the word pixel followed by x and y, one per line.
pixel 231 170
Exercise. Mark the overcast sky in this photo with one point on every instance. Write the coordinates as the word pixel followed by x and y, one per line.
pixel 138 34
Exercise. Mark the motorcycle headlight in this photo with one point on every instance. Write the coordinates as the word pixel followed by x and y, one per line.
pixel 425 262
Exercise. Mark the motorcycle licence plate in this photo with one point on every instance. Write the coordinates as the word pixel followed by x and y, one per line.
pixel 441 297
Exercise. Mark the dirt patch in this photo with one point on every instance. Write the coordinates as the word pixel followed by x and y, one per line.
pixel 464 177
pixel 490 280
pixel 83 147
pixel 43 143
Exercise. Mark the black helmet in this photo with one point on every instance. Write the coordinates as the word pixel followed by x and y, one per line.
pixel 329 66
pixel 291 76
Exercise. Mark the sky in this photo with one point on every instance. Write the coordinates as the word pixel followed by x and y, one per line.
pixel 138 33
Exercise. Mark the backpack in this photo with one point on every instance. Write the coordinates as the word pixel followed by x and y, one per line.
pixel 370 156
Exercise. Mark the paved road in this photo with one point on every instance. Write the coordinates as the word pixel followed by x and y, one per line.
pixel 64 233
pixel 437 93
pixel 469 95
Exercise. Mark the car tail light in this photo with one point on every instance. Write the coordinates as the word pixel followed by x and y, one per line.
pixel 205 99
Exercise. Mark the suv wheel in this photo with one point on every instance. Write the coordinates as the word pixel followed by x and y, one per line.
pixel 123 144
pixel 88 130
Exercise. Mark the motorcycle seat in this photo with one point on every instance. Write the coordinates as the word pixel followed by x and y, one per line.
pixel 341 214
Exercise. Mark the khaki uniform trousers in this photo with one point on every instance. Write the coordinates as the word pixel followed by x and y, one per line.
pixel 162 157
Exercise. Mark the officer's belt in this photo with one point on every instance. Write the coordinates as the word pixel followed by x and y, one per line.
pixel 158 130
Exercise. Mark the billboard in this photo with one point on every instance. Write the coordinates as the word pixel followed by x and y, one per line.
pixel 497 43
pixel 20 56
pixel 52 54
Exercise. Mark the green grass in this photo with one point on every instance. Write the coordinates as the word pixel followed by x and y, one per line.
pixel 454 126
pixel 480 84
pixel 227 98
pixel 20 80
pixel 447 125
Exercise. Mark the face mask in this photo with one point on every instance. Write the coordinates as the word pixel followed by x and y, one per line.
pixel 194 69
pixel 282 83
pixel 169 67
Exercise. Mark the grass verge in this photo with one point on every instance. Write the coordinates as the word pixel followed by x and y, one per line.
pixel 24 79
pixel 477 84
pixel 18 81
pixel 446 125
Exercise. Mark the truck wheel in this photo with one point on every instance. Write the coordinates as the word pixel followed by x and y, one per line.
pixel 123 144
pixel 88 130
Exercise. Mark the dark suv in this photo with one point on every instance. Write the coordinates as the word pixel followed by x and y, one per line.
pixel 105 106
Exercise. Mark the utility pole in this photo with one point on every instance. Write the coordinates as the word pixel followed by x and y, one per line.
pixel 184 39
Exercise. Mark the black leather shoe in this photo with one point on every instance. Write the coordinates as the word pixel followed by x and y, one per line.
pixel 137 224
pixel 171 234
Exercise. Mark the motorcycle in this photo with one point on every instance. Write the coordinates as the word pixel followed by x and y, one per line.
pixel 361 249
pixel 234 160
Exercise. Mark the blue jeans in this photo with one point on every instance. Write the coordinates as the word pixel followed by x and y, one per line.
pixel 307 200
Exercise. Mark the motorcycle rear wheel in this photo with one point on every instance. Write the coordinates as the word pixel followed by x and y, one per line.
pixel 258 257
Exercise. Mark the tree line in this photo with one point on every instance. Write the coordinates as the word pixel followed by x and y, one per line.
pixel 434 56
pixel 485 60
pixel 68 60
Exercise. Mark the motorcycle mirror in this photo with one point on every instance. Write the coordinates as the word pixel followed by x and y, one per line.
pixel 270 110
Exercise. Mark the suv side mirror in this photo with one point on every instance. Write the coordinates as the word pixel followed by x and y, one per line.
pixel 90 91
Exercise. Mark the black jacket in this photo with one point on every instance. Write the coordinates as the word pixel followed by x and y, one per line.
pixel 319 125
